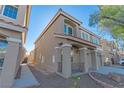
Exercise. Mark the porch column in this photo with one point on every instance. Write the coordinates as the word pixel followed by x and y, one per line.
pixel 66 60
pixel 10 62
pixel 100 51
pixel 83 58
pixel 95 60
pixel 58 58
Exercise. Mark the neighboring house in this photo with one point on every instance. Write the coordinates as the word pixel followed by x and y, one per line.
pixel 121 54
pixel 110 52
pixel 14 20
pixel 67 48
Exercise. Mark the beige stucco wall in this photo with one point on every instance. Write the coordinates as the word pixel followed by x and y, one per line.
pixel 45 47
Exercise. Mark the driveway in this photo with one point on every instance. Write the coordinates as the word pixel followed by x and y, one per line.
pixel 56 81
pixel 107 69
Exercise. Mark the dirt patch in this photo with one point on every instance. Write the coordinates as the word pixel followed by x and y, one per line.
pixel 55 81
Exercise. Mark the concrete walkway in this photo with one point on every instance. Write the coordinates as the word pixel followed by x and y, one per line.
pixel 27 78
pixel 107 69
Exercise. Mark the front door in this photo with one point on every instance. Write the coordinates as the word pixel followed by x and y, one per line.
pixel 75 54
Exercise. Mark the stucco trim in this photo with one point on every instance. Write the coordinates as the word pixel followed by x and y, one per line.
pixel 83 48
pixel 57 47
pixel 66 45
pixel 13 40
pixel 100 49
pixel 11 23
pixel 77 39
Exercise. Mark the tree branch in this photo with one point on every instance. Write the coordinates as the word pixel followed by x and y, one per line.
pixel 113 19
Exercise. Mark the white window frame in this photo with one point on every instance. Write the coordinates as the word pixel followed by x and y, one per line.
pixel 53 59
pixel 7 16
pixel 1 8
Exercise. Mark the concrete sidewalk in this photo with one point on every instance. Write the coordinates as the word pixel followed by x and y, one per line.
pixel 27 78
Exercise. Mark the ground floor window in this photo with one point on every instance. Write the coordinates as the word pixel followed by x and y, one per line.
pixel 3 48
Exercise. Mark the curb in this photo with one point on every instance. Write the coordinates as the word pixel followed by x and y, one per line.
pixel 105 85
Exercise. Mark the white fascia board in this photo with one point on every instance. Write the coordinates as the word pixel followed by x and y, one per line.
pixel 13 40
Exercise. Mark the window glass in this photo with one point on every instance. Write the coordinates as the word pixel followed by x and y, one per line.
pixel 3 47
pixel 86 36
pixel 69 30
pixel 95 40
pixel 82 35
pixel 10 11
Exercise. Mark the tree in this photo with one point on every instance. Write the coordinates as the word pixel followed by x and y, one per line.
pixel 111 19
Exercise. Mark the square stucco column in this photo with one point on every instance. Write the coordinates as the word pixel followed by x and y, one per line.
pixel 83 58
pixel 100 51
pixel 10 62
pixel 57 57
pixel 95 60
pixel 66 60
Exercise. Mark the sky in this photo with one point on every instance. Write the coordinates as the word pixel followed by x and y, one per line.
pixel 41 15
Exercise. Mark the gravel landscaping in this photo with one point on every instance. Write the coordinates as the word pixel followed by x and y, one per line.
pixel 55 81
pixel 103 78
pixel 106 79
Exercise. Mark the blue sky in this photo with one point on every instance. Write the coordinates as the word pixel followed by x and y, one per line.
pixel 42 14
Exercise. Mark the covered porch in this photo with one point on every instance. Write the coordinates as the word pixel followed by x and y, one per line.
pixel 74 59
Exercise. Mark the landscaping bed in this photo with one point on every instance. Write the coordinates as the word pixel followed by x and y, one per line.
pixel 106 80
pixel 55 81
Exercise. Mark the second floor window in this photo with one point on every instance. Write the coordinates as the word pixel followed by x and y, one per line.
pixel 68 30
pixel 10 11
pixel 95 41
pixel 84 36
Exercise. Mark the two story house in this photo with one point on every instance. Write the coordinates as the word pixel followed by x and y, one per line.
pixel 67 48
pixel 14 20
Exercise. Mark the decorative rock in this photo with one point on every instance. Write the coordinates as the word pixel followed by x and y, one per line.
pixel 115 76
